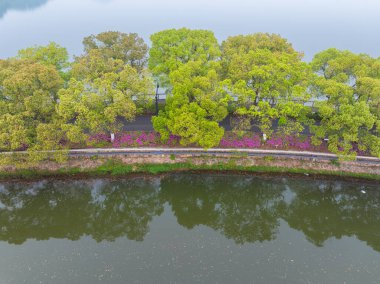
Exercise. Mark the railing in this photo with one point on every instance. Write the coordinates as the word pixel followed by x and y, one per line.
pixel 162 97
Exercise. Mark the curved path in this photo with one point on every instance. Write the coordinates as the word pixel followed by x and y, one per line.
pixel 196 151
pixel 214 151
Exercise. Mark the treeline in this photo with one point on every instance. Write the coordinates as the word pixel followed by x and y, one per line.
pixel 47 102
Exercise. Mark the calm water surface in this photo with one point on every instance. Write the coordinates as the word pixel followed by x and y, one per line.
pixel 310 25
pixel 185 228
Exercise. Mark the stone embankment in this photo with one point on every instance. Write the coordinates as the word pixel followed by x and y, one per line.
pixel 87 159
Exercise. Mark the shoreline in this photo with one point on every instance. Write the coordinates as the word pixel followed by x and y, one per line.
pixel 114 168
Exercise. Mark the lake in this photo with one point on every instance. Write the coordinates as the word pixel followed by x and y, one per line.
pixel 310 25
pixel 186 228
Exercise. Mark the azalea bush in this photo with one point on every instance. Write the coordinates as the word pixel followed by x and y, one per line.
pixel 132 139
pixel 302 143
pixel 229 140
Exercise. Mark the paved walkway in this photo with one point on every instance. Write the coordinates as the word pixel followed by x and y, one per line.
pixel 196 151
pixel 214 151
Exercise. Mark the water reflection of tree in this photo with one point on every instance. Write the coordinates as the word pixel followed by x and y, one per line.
pixel 245 209
pixel 104 210
pixel 6 5
pixel 327 209
pixel 125 208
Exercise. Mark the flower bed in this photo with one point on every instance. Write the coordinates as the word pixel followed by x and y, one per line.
pixel 230 140
pixel 302 143
pixel 133 139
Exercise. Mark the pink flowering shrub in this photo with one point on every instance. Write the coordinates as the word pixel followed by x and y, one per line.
pixel 302 143
pixel 132 139
pixel 230 140
pixel 136 139
pixel 299 143
pixel 275 142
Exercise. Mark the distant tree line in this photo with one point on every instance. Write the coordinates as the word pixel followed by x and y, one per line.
pixel 259 79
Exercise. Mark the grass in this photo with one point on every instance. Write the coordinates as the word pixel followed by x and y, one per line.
pixel 268 158
pixel 335 162
pixel 112 168
pixel 117 168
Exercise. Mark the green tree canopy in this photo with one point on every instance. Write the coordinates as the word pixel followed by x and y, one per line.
pixel 51 54
pixel 187 61
pixel 175 47
pixel 110 52
pixel 91 106
pixel 28 96
pixel 94 65
pixel 269 80
pixel 244 43
pixel 349 85
pixel 195 107
pixel 109 83
pixel 129 48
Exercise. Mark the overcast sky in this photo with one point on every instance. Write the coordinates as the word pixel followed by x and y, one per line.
pixel 311 25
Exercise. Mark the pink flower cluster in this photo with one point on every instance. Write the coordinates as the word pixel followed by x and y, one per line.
pixel 132 139
pixel 299 143
pixel 173 140
pixel 231 141
pixel 136 139
pixel 275 142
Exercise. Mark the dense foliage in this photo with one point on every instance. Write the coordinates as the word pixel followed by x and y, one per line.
pixel 187 61
pixel 28 97
pixel 270 82
pixel 349 85
pixel 49 103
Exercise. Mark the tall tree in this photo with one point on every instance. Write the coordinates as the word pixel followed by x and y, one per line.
pixel 187 62
pixel 91 106
pixel 195 107
pixel 350 110
pixel 28 97
pixel 110 83
pixel 269 80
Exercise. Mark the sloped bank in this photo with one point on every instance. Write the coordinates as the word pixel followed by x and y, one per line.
pixel 106 162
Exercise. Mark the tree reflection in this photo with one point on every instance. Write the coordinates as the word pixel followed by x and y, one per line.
pixel 6 5
pixel 104 210
pixel 125 208
pixel 244 209
pixel 329 209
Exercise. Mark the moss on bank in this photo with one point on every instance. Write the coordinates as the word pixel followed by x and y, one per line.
pixel 116 168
